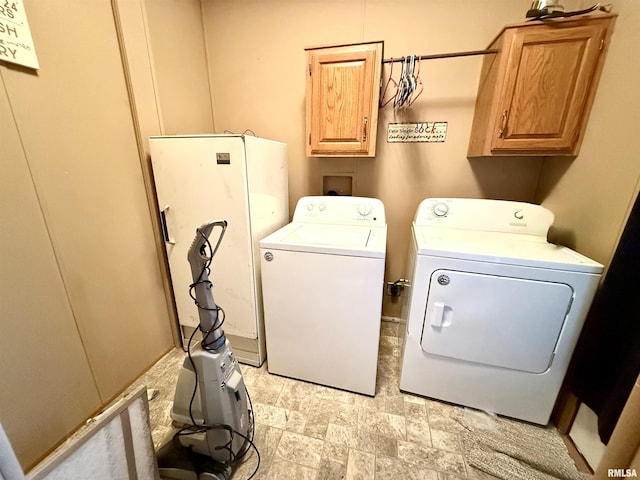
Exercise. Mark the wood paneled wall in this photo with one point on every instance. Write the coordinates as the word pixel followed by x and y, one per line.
pixel 83 308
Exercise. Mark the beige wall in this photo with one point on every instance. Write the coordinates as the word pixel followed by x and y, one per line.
pixel 257 70
pixel 256 66
pixel 177 48
pixel 82 308
pixel 76 129
pixel 168 88
pixel 592 194
pixel 47 385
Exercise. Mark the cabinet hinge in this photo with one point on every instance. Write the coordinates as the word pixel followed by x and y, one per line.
pixel 309 139
pixel 601 44
pixel 309 69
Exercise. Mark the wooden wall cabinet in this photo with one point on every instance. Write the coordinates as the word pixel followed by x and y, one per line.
pixel 535 94
pixel 343 88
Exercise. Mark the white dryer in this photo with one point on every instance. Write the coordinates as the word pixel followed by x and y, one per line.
pixel 322 285
pixel 493 309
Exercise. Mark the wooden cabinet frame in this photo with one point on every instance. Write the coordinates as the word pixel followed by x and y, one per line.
pixel 343 89
pixel 536 93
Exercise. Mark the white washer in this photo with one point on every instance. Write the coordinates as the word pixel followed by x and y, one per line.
pixel 493 310
pixel 322 282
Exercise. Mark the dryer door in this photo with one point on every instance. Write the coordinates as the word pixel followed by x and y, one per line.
pixel 502 321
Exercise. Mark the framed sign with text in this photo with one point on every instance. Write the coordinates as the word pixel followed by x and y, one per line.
pixel 416 132
pixel 16 44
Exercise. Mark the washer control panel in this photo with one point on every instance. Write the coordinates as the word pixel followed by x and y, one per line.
pixel 340 210
pixel 484 215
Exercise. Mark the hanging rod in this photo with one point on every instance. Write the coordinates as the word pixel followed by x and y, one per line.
pixel 445 55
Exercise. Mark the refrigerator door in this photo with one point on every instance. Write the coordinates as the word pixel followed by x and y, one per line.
pixel 198 179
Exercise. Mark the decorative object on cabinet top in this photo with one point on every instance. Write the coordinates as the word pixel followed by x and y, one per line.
pixel 549 9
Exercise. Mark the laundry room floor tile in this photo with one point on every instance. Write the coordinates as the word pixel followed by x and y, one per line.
pixel 300 449
pixel 312 432
pixel 361 465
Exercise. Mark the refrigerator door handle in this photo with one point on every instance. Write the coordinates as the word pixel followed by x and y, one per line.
pixel 165 228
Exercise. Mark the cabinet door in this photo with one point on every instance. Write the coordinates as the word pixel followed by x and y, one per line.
pixel 545 94
pixel 342 100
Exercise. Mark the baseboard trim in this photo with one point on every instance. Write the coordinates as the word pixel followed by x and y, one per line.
pixel 581 463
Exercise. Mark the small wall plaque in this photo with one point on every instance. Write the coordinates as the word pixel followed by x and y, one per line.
pixel 416 132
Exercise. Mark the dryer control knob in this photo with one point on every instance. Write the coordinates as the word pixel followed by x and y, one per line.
pixel 322 206
pixel 440 209
pixel 364 209
pixel 309 206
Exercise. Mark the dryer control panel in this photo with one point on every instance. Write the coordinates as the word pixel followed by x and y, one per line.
pixel 340 211
pixel 484 215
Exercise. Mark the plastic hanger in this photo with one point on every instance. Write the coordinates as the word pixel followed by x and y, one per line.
pixel 384 92
pixel 404 85
pixel 418 82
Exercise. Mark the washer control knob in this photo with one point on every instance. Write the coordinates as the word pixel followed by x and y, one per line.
pixel 364 209
pixel 322 206
pixel 309 206
pixel 440 209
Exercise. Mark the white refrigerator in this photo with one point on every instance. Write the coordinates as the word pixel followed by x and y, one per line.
pixel 238 178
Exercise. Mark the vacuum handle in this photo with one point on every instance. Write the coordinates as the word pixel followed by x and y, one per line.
pixel 204 231
pixel 208 311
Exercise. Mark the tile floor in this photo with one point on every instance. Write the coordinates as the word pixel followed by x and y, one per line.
pixel 306 431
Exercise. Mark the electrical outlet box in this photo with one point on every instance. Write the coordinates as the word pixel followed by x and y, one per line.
pixel 337 184
pixel 394 289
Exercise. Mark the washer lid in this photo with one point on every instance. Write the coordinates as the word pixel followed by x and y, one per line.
pixel 506 248
pixel 353 240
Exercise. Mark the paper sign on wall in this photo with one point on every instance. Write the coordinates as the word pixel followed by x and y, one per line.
pixel 416 132
pixel 16 44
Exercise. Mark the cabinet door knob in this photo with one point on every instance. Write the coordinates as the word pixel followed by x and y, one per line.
pixel 504 124
pixel 364 129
